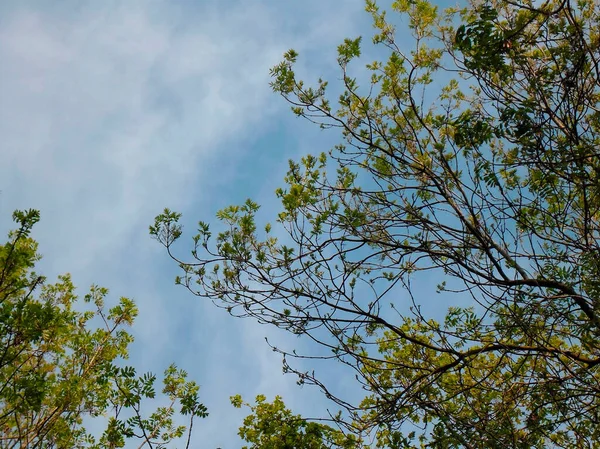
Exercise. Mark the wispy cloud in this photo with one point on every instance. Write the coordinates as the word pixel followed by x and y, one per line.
pixel 116 113
pixel 110 111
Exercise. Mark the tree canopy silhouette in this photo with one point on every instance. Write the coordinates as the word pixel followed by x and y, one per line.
pixel 468 156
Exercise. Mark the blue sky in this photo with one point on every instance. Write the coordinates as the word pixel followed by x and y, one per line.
pixel 111 111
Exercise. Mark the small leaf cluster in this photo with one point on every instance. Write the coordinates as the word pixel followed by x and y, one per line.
pixel 61 363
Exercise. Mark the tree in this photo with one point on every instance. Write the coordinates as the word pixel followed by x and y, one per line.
pixel 274 426
pixel 470 156
pixel 61 364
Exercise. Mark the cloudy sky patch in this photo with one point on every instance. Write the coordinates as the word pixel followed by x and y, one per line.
pixel 111 111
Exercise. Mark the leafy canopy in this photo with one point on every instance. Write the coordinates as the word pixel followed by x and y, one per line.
pixel 470 156
pixel 62 364
pixel 274 426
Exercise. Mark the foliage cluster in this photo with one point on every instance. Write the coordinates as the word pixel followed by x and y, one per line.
pixel 470 155
pixel 62 366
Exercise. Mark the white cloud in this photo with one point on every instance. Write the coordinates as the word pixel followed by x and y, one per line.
pixel 108 114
